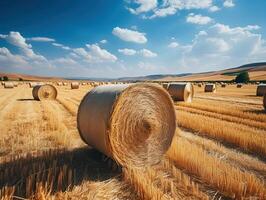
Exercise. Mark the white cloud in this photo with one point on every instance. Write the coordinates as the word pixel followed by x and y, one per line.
pixel 61 45
pixel 64 61
pixel 170 7
pixel 127 52
pixel 16 39
pixel 7 59
pixel 147 53
pixel 103 41
pixel 198 19
pixel 214 9
pixel 144 6
pixel 41 39
pixel 101 55
pixel 173 45
pixel 224 46
pixel 146 66
pixel 228 3
pixel 130 35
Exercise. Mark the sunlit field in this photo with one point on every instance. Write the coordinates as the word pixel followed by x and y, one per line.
pixel 218 151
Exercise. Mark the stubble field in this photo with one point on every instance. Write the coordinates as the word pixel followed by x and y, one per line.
pixel 218 151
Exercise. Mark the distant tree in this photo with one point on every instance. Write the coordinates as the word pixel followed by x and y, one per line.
pixel 5 78
pixel 242 77
pixel 20 79
pixel 1 78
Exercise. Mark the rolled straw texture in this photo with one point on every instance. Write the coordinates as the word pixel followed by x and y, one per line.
pixel 181 91
pixel 134 124
pixel 44 92
pixel 8 85
pixel 261 89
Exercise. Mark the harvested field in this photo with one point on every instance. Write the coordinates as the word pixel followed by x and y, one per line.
pixel 218 151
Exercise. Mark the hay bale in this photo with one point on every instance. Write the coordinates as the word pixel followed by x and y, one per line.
pixel 133 123
pixel 199 85
pixel 44 92
pixel 32 84
pixel 8 85
pixel 75 85
pixel 210 88
pixel 65 84
pixel 264 102
pixel 239 85
pixel 15 84
pixel 181 91
pixel 59 83
pixel 223 85
pixel 261 89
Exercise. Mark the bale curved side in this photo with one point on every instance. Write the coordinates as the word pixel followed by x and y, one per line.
pixel 264 102
pixel 8 85
pixel 74 85
pixel 261 89
pixel 44 92
pixel 134 124
pixel 210 88
pixel 181 91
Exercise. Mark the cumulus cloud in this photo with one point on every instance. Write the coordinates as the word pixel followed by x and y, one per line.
pixel 103 41
pixel 16 39
pixel 41 39
pixel 214 9
pixel 143 6
pixel 143 52
pixel 224 46
pixel 127 52
pixel 228 3
pixel 173 45
pixel 101 55
pixel 170 7
pixel 129 35
pixel 8 59
pixel 198 19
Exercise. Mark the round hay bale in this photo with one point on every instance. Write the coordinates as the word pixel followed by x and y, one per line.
pixel 134 123
pixel 15 84
pixel 44 92
pixel 199 85
pixel 223 85
pixel 165 85
pixel 32 84
pixel 264 102
pixel 261 89
pixel 65 84
pixel 75 85
pixel 181 91
pixel 8 85
pixel 210 88
pixel 239 85
pixel 59 83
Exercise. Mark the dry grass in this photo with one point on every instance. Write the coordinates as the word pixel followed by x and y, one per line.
pixel 42 156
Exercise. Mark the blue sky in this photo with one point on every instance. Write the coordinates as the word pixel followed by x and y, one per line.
pixel 112 38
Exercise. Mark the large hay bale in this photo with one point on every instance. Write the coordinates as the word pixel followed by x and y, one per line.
pixel 8 85
pixel 44 92
pixel 133 123
pixel 210 88
pixel 181 91
pixel 75 85
pixel 261 89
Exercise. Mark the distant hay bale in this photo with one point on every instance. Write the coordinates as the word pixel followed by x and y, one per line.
pixel 8 85
pixel 181 91
pixel 59 83
pixel 65 84
pixel 223 85
pixel 133 123
pixel 199 84
pixel 239 85
pixel 261 89
pixel 44 92
pixel 83 83
pixel 32 84
pixel 165 85
pixel 15 84
pixel 210 88
pixel 75 85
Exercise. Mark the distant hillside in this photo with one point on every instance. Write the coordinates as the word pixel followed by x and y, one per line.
pixel 257 72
